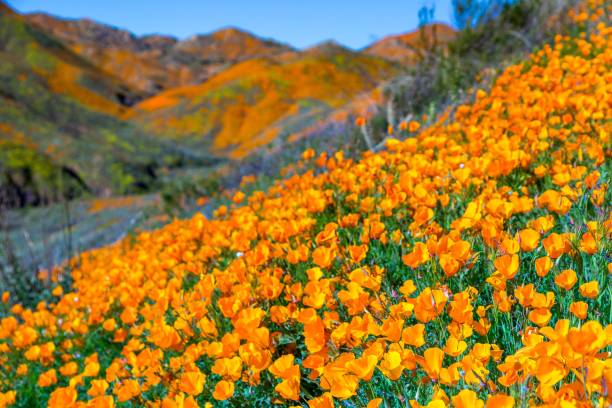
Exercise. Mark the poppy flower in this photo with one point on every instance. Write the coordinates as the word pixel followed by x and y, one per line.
pixel 109 325
pixel 69 369
pixel 449 264
pixel 418 256
pixel 338 378
pixel 540 316
pixel 461 250
pixel 354 298
pixel 127 390
pixel 555 245
pixel 566 279
pixel 364 366
pixel 429 304
pixel 590 289
pixel 47 378
pixel 62 397
pixel 454 347
pixel 432 361
pixel 414 335
pixel 408 288
pixel 375 403
pixel 357 253
pixel 550 371
pixel 284 367
pixel 323 256
pixel 579 309
pixel 413 126
pixel 500 401
pixel 543 265
pixel 391 365
pixel 289 388
pixel 507 265
pixel 7 398
pixel 22 370
pixel 229 368
pixel 422 215
pixel 588 244
pixel 97 388
pixel 238 197
pixel 467 399
pixel 529 239
pixel 587 339
pixel 324 401
pixel 223 390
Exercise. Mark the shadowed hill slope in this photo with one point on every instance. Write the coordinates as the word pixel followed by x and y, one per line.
pixel 59 125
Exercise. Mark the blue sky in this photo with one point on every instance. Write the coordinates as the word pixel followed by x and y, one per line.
pixel 301 23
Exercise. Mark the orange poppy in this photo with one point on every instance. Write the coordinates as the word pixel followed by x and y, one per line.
pixel 590 289
pixel 414 335
pixel 555 245
pixel 566 279
pixel 467 399
pixel 579 309
pixel 63 397
pixel 587 339
pixel 507 265
pixel 432 361
pixel 543 265
pixel 500 401
pixel 223 390
pixel 364 366
pixel 323 256
pixel 529 239
pixel 417 257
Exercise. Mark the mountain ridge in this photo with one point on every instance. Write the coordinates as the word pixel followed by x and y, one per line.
pixel 154 62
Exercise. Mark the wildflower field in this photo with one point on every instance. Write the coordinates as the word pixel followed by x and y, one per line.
pixel 467 264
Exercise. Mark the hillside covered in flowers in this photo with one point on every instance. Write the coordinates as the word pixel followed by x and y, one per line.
pixel 468 263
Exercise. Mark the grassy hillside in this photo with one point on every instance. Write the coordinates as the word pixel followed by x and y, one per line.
pixel 31 51
pixel 466 265
pixel 59 124
pixel 252 103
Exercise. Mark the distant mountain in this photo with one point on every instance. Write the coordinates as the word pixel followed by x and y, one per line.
pixel 328 47
pixel 28 50
pixel 60 131
pixel 251 103
pixel 153 63
pixel 405 48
